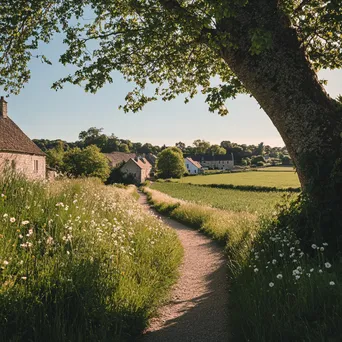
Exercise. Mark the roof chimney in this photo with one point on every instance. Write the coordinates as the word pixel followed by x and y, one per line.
pixel 3 108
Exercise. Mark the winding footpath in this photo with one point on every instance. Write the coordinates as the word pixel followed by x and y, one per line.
pixel 197 309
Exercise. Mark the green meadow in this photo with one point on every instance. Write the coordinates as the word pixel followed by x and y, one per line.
pixel 278 179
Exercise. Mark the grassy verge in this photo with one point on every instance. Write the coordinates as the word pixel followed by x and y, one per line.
pixel 279 291
pixel 79 262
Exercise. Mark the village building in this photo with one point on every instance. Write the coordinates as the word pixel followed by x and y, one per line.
pixel 215 162
pixel 138 168
pixel 193 167
pixel 17 150
pixel 117 158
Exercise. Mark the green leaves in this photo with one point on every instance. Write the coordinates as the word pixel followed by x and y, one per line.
pixel 165 47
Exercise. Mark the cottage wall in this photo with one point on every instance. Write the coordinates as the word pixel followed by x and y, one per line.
pixel 32 166
pixel 131 168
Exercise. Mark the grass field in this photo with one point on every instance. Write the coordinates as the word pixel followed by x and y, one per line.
pixel 226 199
pixel 278 179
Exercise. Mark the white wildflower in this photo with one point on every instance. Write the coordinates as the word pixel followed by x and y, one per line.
pixel 271 284
pixel 332 283
pixel 327 265
pixel 12 219
pixel 313 246
pixel 279 276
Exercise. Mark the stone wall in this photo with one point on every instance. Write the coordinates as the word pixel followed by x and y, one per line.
pixel 33 167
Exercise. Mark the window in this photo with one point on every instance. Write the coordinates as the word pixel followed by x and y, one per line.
pixel 187 165
pixel 35 166
pixel 195 171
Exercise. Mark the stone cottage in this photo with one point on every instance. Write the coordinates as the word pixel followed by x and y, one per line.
pixel 17 150
pixel 139 168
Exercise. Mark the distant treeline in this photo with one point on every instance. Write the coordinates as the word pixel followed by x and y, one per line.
pixel 243 153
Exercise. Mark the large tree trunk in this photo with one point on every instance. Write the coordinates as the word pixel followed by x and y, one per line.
pixel 310 122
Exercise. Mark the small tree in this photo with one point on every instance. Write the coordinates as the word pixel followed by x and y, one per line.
pixel 257 159
pixel 89 162
pixel 170 163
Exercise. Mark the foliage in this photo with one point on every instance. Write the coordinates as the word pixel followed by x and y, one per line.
pixel 79 262
pixel 181 56
pixel 89 162
pixel 256 159
pixel 170 163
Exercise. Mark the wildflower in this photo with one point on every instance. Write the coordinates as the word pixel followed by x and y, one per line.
pixel 256 270
pixel 5 262
pixel 20 236
pixel 24 223
pixel 297 277
pixel 12 219
pixel 271 284
pixel 313 246
pixel 327 265
pixel 320 271
pixel 324 244
pixel 279 276
pixel 321 249
pixel 23 278
pixel 311 269
pixel 274 261
pixel 5 215
pixel 332 283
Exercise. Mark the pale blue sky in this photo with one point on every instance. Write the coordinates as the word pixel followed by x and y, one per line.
pixel 44 113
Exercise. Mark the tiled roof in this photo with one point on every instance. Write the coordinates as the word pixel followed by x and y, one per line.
pixel 142 163
pixel 13 139
pixel 116 158
pixel 196 163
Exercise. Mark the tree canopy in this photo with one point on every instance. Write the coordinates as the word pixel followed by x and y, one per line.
pixel 170 163
pixel 176 45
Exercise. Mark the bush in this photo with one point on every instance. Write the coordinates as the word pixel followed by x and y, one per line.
pixel 89 162
pixel 80 262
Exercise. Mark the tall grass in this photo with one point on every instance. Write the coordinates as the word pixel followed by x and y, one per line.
pixel 79 262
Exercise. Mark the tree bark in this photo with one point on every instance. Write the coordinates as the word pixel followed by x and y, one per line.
pixel 310 122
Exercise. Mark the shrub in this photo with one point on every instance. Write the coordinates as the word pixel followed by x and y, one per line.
pixel 89 162
pixel 79 262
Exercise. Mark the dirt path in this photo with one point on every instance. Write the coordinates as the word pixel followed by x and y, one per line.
pixel 197 310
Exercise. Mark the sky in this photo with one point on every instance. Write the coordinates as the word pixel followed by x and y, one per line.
pixel 44 113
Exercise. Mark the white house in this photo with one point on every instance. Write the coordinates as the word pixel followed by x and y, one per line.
pixel 192 166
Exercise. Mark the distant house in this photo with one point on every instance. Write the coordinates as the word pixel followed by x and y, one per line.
pixel 151 158
pixel 17 150
pixel 217 162
pixel 192 166
pixel 117 158
pixel 138 168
